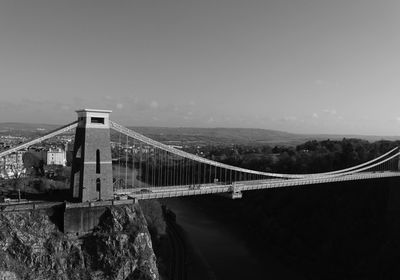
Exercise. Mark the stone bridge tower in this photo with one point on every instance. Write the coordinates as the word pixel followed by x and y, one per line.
pixel 91 175
pixel 398 164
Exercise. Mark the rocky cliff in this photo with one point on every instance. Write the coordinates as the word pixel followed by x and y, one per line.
pixel 32 247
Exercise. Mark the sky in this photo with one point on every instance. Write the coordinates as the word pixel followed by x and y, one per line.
pixel 303 66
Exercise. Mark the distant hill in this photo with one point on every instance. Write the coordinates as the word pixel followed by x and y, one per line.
pixel 243 135
pixel 11 126
pixel 220 135
pixel 30 130
pixel 201 136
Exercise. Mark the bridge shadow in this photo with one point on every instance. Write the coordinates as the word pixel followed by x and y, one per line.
pixel 53 195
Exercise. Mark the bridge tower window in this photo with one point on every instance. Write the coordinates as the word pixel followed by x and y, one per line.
pixel 97 120
pixel 98 184
pixel 98 161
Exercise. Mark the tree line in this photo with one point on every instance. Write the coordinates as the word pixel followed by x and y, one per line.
pixel 311 157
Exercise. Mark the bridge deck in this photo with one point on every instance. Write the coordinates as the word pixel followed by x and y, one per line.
pixel 39 205
pixel 188 190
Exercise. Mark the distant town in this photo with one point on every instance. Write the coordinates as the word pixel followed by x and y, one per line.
pixel 53 152
pixel 56 152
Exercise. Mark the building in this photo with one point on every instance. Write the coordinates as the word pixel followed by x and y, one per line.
pixel 56 157
pixel 12 165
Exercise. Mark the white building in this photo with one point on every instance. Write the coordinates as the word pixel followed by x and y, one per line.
pixel 56 157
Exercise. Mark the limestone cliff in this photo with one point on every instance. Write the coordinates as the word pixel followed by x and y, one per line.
pixel 32 247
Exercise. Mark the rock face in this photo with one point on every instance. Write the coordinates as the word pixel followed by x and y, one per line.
pixel 32 247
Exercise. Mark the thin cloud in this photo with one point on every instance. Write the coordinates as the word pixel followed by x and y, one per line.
pixel 154 104
pixel 330 111
pixel 289 119
pixel 211 120
pixel 320 82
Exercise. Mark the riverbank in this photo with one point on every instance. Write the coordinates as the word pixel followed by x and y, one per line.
pixel 185 260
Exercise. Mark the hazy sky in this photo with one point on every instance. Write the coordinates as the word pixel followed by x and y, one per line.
pixel 310 66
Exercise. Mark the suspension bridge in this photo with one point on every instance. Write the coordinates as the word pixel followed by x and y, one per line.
pixel 143 168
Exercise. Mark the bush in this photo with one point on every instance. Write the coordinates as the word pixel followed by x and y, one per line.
pixel 155 220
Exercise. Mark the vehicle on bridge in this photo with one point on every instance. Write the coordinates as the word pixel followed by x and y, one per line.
pixel 4 199
pixel 144 191
pixel 195 187
pixel 121 197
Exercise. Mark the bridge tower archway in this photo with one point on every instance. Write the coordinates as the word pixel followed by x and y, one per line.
pixel 91 174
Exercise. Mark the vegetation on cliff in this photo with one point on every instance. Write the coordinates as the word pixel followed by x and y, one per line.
pixel 157 227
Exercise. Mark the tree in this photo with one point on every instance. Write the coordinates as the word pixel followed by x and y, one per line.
pixel 32 161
